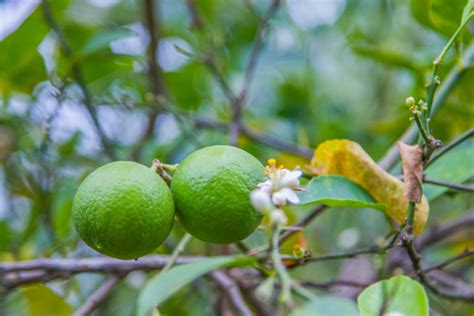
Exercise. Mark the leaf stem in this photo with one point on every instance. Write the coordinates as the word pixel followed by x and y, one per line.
pixel 280 269
pixel 176 252
pixel 434 82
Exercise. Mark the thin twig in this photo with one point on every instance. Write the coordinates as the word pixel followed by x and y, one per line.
pixel 330 284
pixel 443 264
pixel 177 251
pixel 445 230
pixel 98 296
pixel 352 254
pixel 155 74
pixel 302 222
pixel 454 186
pixel 452 79
pixel 276 142
pixel 416 261
pixel 232 291
pixel 48 14
pixel 445 149
pixel 239 104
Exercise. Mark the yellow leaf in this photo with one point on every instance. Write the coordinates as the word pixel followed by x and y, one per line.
pixel 347 158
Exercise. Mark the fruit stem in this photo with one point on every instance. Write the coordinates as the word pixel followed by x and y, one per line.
pixel 160 168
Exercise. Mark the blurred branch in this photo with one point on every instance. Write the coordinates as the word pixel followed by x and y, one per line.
pixel 415 258
pixel 232 291
pixel 13 274
pixel 155 74
pixel 330 284
pixel 410 135
pixel 302 222
pixel 443 264
pixel 454 186
pixel 276 143
pixel 196 21
pixel 48 14
pixel 239 103
pixel 445 230
pixel 98 296
pixel 443 150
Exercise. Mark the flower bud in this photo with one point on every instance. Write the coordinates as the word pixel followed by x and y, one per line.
pixel 279 199
pixel 410 101
pixel 278 217
pixel 261 200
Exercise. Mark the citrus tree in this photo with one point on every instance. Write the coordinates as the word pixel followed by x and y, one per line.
pixel 236 157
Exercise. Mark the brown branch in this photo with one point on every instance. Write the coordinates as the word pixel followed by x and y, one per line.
pixel 302 222
pixel 329 284
pixel 445 230
pixel 48 14
pixel 98 296
pixel 445 263
pixel 232 291
pixel 196 21
pixel 276 142
pixel 454 186
pixel 415 259
pixel 155 74
pixel 13 274
pixel 239 103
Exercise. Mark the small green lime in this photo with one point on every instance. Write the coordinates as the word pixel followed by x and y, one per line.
pixel 211 189
pixel 123 209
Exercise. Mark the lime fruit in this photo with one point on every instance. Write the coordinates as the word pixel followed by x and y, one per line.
pixel 211 189
pixel 124 210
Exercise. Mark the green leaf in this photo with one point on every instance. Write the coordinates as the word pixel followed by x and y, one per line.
pixel 468 9
pixel 102 40
pixel 334 190
pixel 446 15
pixel 163 285
pixel 21 63
pixel 327 305
pixel 37 300
pixel 387 57
pixel 454 166
pixel 399 294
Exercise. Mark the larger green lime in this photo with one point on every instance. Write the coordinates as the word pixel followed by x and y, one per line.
pixel 211 189
pixel 124 210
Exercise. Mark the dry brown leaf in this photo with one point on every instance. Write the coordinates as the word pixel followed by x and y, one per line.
pixel 412 156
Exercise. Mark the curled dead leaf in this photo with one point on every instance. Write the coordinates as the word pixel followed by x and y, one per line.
pixel 412 156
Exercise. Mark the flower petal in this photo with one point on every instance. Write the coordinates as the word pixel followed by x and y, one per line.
pixel 290 195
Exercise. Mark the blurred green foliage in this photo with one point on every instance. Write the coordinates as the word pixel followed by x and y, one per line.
pixel 346 78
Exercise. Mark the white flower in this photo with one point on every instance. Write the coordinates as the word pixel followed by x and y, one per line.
pixel 284 195
pixel 261 200
pixel 278 217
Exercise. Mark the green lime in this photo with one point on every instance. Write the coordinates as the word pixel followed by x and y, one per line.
pixel 211 189
pixel 124 210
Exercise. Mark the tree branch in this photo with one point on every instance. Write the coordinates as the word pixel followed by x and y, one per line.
pixel 454 186
pixel 13 274
pixel 232 291
pixel 48 14
pixel 445 263
pixel 416 262
pixel 239 104
pixel 410 135
pixel 445 230
pixel 443 150
pixel 98 296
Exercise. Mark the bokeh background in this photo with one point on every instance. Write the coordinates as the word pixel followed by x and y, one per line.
pixel 328 69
